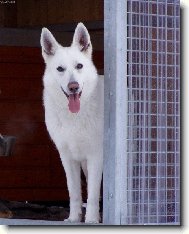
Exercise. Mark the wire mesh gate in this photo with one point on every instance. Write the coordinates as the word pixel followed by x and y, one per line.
pixel 150 167
pixel 153 111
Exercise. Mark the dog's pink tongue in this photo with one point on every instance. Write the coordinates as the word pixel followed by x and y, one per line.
pixel 74 103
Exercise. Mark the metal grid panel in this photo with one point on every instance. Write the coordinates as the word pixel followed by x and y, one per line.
pixel 153 136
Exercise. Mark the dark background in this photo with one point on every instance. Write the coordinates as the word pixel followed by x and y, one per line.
pixel 34 172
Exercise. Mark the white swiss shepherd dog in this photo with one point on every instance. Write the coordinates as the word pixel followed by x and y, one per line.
pixel 73 99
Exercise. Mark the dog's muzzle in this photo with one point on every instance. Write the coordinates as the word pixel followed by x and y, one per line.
pixel 73 99
pixel 70 94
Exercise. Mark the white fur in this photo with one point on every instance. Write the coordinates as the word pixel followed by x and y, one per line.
pixel 77 136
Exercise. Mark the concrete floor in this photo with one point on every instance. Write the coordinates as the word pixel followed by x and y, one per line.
pixel 21 222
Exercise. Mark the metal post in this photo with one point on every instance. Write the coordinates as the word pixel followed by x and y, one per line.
pixel 115 119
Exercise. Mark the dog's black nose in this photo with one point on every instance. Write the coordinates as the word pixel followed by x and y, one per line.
pixel 73 87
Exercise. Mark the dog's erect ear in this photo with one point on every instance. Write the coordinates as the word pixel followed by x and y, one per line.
pixel 82 40
pixel 48 43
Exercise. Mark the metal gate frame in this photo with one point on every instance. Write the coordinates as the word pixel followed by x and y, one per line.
pixel 115 117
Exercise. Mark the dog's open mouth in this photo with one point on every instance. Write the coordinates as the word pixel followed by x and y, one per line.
pixel 73 101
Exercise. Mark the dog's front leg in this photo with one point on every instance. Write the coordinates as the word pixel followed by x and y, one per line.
pixel 94 168
pixel 72 169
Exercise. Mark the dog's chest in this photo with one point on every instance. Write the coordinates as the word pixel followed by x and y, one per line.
pixel 84 128
pixel 82 135
pixel 80 126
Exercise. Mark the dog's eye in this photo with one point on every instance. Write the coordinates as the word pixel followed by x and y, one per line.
pixel 60 69
pixel 79 66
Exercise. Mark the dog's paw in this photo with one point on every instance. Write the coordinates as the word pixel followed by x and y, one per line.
pixel 68 220
pixel 90 222
pixel 92 217
pixel 71 220
pixel 75 219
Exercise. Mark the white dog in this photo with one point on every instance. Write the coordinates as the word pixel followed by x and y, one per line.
pixel 73 99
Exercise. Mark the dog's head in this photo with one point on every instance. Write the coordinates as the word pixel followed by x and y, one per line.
pixel 70 69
